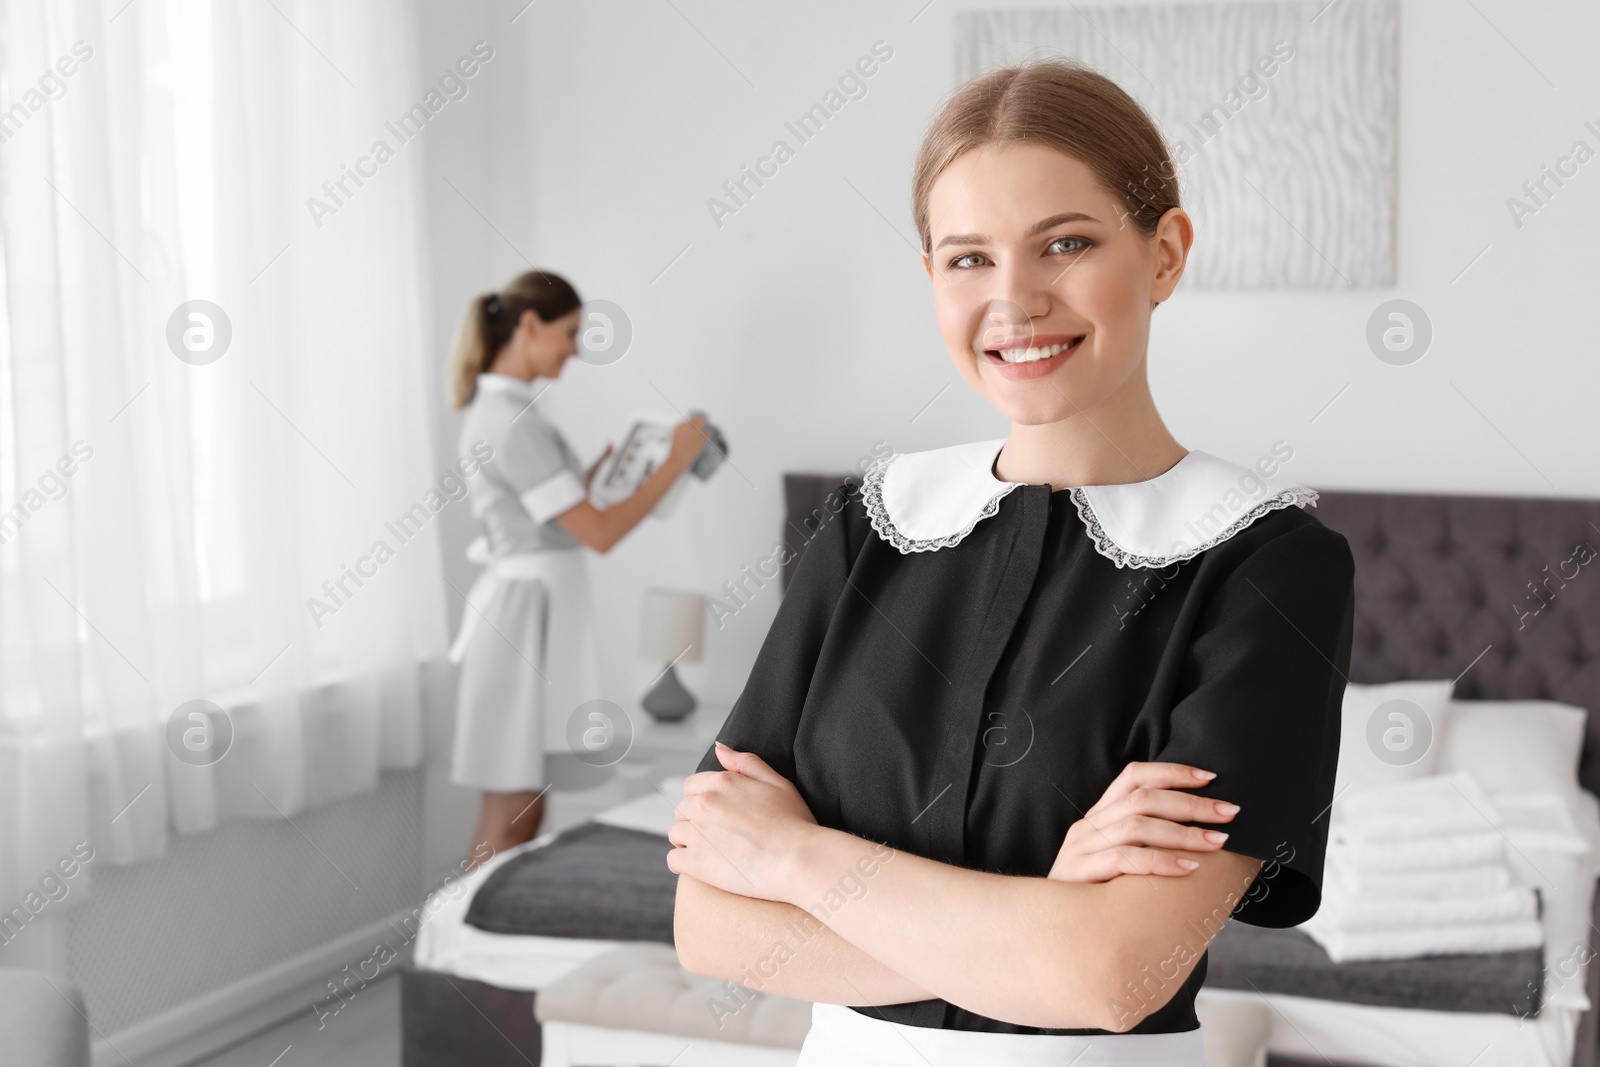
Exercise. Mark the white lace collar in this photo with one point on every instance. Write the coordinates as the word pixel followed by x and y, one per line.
pixel 923 501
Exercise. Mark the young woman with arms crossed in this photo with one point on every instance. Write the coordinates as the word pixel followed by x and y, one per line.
pixel 956 804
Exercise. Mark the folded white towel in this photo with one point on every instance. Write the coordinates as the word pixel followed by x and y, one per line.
pixel 1424 853
pixel 1421 807
pixel 1451 882
pixel 1464 939
pixel 1415 825
pixel 1354 912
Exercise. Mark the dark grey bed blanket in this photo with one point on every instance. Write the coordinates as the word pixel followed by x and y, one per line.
pixel 592 881
pixel 1253 958
pixel 607 883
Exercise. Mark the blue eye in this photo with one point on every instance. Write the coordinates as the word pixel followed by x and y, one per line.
pixel 1079 240
pixel 956 263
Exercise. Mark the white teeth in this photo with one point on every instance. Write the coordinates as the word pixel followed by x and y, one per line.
pixel 1029 355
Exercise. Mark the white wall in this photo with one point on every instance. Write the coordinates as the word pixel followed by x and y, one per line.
pixel 804 325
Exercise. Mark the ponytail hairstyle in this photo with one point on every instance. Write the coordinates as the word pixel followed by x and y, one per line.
pixel 491 320
pixel 1061 104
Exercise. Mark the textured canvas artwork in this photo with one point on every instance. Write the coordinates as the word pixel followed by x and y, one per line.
pixel 1281 118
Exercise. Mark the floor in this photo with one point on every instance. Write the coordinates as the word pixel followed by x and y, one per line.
pixel 365 1033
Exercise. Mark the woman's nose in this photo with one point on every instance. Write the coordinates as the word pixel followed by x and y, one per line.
pixel 1024 289
pixel 1002 318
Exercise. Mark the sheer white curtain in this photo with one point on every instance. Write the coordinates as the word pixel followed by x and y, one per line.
pixel 164 521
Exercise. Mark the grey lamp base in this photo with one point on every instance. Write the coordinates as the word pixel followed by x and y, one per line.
pixel 668 700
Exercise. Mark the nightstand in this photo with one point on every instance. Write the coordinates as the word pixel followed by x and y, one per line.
pixel 659 750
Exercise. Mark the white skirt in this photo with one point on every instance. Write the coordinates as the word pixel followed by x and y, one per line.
pixel 527 657
pixel 844 1037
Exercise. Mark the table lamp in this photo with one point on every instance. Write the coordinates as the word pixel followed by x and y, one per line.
pixel 674 625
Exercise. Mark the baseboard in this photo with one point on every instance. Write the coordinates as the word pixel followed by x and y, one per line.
pixel 223 1018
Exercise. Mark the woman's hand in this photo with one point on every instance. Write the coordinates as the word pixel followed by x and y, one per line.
pixel 737 828
pixel 1137 817
pixel 688 438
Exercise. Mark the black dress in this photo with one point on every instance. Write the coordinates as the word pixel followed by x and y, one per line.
pixel 961 666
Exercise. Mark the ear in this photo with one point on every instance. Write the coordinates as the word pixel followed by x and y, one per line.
pixel 1173 237
pixel 927 265
pixel 529 323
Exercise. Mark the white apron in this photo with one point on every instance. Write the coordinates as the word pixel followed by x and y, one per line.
pixel 527 656
pixel 843 1037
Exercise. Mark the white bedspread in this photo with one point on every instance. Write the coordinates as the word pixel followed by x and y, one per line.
pixel 446 943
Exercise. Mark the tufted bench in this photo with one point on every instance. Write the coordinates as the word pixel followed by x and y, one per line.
pixel 636 1005
pixel 1234 1026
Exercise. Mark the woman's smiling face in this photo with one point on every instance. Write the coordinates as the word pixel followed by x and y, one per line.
pixel 1033 256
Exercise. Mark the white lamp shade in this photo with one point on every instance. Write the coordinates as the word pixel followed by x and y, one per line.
pixel 673 622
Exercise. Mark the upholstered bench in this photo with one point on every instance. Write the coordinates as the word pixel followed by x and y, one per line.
pixel 635 1005
pixel 1234 1026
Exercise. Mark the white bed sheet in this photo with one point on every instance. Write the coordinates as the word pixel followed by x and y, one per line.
pixel 1302 1026
pixel 516 961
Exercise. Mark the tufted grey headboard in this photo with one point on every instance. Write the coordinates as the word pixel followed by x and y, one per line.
pixel 1501 593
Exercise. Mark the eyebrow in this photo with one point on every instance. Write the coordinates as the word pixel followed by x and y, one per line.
pixel 1039 227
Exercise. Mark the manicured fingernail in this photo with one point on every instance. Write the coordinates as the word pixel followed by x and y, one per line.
pixel 1216 836
pixel 1207 775
pixel 1224 808
pixel 1188 865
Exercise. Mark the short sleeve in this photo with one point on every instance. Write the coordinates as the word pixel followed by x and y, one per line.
pixel 766 717
pixel 534 461
pixel 1260 705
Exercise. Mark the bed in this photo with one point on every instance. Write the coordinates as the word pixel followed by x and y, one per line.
pixel 1445 588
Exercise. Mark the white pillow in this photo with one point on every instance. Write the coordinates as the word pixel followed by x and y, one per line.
pixel 1401 744
pixel 1516 746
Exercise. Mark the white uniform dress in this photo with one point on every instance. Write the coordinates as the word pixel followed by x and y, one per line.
pixel 526 645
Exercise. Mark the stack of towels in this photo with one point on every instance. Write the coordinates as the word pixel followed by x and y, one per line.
pixel 1419 869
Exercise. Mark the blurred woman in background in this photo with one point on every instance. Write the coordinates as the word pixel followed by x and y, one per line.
pixel 525 646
